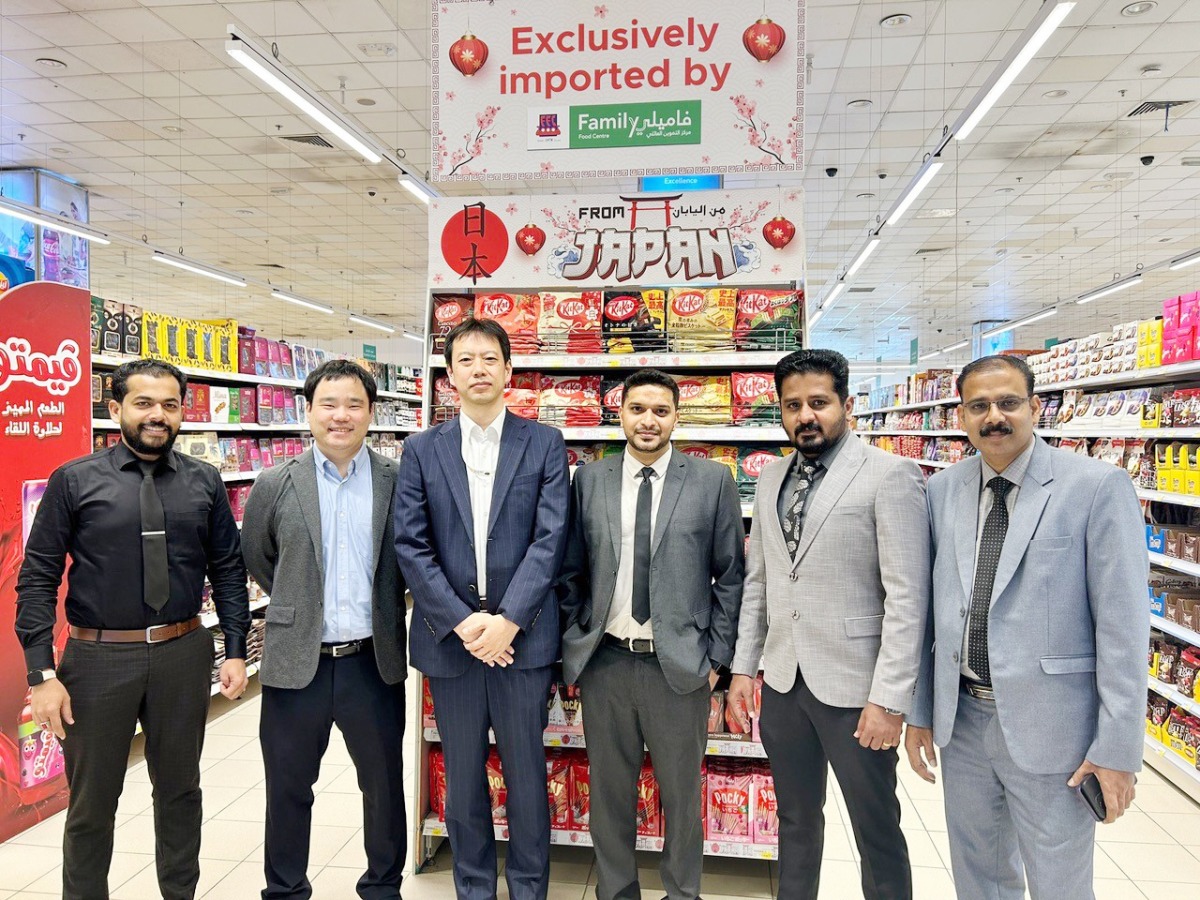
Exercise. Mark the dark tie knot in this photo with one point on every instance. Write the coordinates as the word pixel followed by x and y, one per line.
pixel 808 469
pixel 647 473
pixel 1000 487
pixel 147 468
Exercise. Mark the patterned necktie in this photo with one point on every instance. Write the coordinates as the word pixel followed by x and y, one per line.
pixel 793 519
pixel 995 527
pixel 156 585
pixel 641 548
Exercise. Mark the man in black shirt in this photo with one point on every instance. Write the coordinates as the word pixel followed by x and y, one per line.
pixel 142 525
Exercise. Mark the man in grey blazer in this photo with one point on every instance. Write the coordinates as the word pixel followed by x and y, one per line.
pixel 317 535
pixel 651 587
pixel 834 609
pixel 1034 668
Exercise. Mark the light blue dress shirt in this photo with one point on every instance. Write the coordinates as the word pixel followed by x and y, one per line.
pixel 346 546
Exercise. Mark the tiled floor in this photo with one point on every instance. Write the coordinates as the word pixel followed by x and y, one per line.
pixel 1155 848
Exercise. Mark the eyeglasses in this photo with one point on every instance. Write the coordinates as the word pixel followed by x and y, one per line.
pixel 1005 404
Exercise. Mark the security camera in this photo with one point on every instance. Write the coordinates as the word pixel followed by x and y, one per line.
pixel 371 192
pixel 1147 160
pixel 882 175
pixel 831 171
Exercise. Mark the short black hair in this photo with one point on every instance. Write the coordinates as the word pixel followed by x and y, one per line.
pixel 488 328
pixel 643 377
pixel 155 368
pixel 999 361
pixel 339 368
pixel 819 362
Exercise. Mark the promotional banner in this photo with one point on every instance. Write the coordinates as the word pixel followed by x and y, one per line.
pixel 616 89
pixel 45 417
pixel 550 240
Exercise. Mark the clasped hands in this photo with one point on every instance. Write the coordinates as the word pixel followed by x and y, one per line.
pixel 488 638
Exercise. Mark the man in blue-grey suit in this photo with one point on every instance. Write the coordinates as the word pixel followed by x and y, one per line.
pixel 480 519
pixel 1034 673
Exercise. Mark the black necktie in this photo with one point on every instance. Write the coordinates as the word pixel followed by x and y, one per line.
pixel 995 527
pixel 156 585
pixel 793 519
pixel 641 549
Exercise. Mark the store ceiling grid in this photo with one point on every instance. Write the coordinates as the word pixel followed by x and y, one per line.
pixel 251 201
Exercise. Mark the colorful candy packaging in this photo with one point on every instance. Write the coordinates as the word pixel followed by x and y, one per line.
pixel 701 320
pixel 754 399
pixel 570 323
pixel 768 320
pixel 517 313
pixel 635 321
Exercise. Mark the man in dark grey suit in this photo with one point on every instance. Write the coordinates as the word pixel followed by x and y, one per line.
pixel 317 536
pixel 651 588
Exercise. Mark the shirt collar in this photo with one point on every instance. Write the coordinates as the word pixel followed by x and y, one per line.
pixel 124 458
pixel 633 468
pixel 470 427
pixel 325 464
pixel 1016 469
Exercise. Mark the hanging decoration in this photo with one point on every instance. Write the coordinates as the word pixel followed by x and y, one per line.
pixel 530 239
pixel 779 232
pixel 763 39
pixel 468 54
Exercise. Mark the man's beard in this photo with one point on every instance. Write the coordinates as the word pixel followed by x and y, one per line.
pixel 814 449
pixel 133 438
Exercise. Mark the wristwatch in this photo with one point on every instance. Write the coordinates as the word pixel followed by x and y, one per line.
pixel 39 676
pixel 892 712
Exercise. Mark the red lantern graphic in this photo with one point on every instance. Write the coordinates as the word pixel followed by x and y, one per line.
pixel 531 238
pixel 762 40
pixel 779 232
pixel 468 54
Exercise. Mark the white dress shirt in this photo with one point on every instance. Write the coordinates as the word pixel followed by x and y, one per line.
pixel 1016 474
pixel 481 454
pixel 621 622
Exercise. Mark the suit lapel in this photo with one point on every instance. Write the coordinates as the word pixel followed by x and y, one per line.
pixel 449 451
pixel 849 460
pixel 612 501
pixel 383 482
pixel 512 447
pixel 966 521
pixel 304 479
pixel 766 497
pixel 1027 512
pixel 672 488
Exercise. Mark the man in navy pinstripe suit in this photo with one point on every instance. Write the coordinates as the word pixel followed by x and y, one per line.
pixel 480 518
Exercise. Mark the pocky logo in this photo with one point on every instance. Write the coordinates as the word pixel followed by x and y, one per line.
pixel 497 305
pixel 57 373
pixel 753 464
pixel 730 799
pixel 687 303
pixel 766 798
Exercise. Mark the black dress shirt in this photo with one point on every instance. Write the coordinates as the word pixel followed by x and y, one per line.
pixel 788 489
pixel 91 512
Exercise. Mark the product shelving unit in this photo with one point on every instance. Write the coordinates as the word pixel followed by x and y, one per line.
pixel 907 407
pixel 894 432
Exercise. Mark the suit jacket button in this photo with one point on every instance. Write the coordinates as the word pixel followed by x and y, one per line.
pixel 955 657
pixel 795 613
pixel 793 576
pixel 962 612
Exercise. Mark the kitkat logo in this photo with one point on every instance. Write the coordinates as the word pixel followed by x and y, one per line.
pixel 752 386
pixel 697 452
pixel 690 390
pixel 571 309
pixel 753 302
pixel 687 303
pixel 497 305
pixel 569 389
pixel 620 308
pixel 753 464
pixel 615 397
pixel 447 312
pixel 57 373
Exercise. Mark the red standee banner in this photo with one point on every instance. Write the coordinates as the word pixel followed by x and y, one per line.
pixel 45 420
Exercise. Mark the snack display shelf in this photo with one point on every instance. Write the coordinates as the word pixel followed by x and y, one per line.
pixel 714 747
pixel 891 432
pixel 931 463
pixel 1175 565
pixel 727 360
pixel 773 434
pixel 209 620
pixel 240 476
pixel 1175 630
pixel 109 425
pixel 908 407
pixel 100 360
pixel 1156 374
pixel 1173 767
pixel 432 827
pixel 1168 497
pixel 1165 690
pixel 1100 431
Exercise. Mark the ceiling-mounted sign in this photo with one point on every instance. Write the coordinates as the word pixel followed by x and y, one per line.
pixel 615 89
pixel 714 237
pixel 653 183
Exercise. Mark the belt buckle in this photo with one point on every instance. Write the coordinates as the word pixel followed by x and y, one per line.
pixel 152 640
pixel 633 642
pixel 339 650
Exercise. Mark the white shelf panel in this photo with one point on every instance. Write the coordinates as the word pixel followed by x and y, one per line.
pixel 240 476
pixel 209 620
pixel 714 747
pixel 1173 767
pixel 253 428
pixel 765 359
pixel 1100 431
pixel 1174 629
pixel 886 432
pixel 433 828
pixel 932 463
pixel 740 433
pixel 909 407
pixel 1165 690
pixel 1175 565
pixel 1169 497
pixel 1134 376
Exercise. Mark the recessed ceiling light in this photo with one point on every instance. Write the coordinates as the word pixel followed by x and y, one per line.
pixel 1005 190
pixel 860 103
pixel 899 20
pixel 1055 94
pixel 1138 9
pixel 60 151
pixel 173 129
pixel 244 212
pixel 365 101
pixel 936 213
pixel 866 195
pixel 51 63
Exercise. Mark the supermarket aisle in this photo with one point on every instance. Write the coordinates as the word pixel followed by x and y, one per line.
pixel 1154 849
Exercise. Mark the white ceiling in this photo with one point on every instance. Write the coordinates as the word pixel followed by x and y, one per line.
pixel 228 192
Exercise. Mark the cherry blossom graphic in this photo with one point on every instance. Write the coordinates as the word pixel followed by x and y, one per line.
pixel 511 209
pixel 706 159
pixel 505 145
pixel 776 270
pixel 562 226
pixel 537 270
pixel 472 147
pixel 742 220
pixel 437 279
pixel 758 82
pixel 449 95
pixel 758 137
pixel 547 167
pixel 601 12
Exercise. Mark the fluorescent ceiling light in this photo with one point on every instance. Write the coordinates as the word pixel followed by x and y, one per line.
pixel 1048 18
pixel 420 339
pixel 197 269
pixel 417 188
pixel 34 216
pixel 1182 262
pixel 834 294
pixel 300 301
pixel 957 346
pixel 372 323
pixel 1028 320
pixel 930 355
pixel 1089 296
pixel 815 318
pixel 921 182
pixel 862 257
pixel 269 72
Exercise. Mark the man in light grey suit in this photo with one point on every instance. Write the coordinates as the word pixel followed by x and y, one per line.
pixel 650 588
pixel 1034 669
pixel 834 608
pixel 318 536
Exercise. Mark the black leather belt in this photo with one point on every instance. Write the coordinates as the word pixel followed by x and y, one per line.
pixel 630 645
pixel 979 691
pixel 347 648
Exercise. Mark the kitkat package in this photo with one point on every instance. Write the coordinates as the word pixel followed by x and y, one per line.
pixel 570 400
pixel 449 310
pixel 768 320
pixel 751 461
pixel 726 455
pixel 704 399
pixel 754 399
pixel 522 394
pixel 700 320
pixel 635 321
pixel 612 394
pixel 517 313
pixel 570 323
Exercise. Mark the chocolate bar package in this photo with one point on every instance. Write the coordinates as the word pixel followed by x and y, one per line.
pixel 523 394
pixel 751 461
pixel 635 321
pixel 581 792
pixel 570 400
pixel 612 394
pixel 727 800
pixel 449 310
pixel 704 399
pixel 725 454
pixel 700 320
pixel 754 399
pixel 497 792
pixel 558 788
pixel 111 338
pixel 769 320
pixel 570 323
pixel 245 363
pixel 517 313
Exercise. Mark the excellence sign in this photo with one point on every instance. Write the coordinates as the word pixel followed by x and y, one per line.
pixel 571 90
